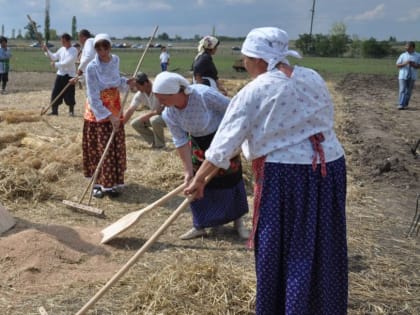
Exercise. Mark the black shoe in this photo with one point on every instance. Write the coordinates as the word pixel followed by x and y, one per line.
pixel 113 193
pixel 98 193
pixel 71 114
pixel 52 114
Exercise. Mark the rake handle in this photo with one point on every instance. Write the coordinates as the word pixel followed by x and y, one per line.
pixel 133 259
pixel 98 167
pixel 142 250
pixel 44 110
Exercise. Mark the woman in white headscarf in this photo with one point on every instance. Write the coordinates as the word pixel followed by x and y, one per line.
pixel 284 121
pixel 192 114
pixel 103 115
pixel 204 69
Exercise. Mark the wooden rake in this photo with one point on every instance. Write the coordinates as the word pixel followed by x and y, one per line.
pixel 128 220
pixel 88 208
pixel 143 249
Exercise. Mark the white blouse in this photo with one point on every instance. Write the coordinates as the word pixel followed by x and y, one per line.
pixel 274 116
pixel 88 53
pixel 65 60
pixel 201 117
pixel 101 76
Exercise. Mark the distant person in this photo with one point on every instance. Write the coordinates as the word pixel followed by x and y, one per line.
pixel 102 116
pixel 407 63
pixel 5 55
pixel 64 60
pixel 88 50
pixel 164 58
pixel 193 114
pixel 79 52
pixel 204 69
pixel 149 125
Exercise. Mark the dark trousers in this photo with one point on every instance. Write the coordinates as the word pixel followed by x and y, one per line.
pixel 68 96
pixel 4 77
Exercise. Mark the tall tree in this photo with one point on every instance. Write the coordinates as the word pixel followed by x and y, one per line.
pixel 47 21
pixel 74 28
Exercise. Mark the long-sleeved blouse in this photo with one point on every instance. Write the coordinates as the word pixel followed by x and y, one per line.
pixel 65 60
pixel 101 76
pixel 201 116
pixel 274 116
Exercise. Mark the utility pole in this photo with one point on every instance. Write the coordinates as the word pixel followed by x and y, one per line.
pixel 311 46
pixel 312 18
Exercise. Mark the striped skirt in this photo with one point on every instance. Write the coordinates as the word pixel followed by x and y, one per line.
pixel 300 240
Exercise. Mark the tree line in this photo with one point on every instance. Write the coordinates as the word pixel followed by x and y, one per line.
pixel 335 44
pixel 338 44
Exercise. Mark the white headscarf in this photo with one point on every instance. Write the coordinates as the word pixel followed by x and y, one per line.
pixel 270 44
pixel 170 83
pixel 207 42
pixel 102 36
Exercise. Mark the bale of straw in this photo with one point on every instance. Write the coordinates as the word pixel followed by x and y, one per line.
pixel 10 138
pixel 16 117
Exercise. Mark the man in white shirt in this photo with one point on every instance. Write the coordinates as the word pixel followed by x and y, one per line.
pixel 150 124
pixel 164 58
pixel 87 54
pixel 64 60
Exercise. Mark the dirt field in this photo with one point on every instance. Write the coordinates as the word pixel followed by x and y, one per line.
pixel 53 256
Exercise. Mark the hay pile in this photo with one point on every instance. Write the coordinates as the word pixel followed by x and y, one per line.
pixel 187 285
pixel 30 162
pixel 16 117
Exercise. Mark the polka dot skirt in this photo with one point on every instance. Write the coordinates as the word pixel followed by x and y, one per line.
pixel 300 242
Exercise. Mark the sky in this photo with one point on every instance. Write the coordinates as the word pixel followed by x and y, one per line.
pixel 379 19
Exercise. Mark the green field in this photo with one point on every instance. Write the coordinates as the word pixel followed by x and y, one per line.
pixel 32 59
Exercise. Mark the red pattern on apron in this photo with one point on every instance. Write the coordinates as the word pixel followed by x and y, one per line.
pixel 258 171
pixel 319 151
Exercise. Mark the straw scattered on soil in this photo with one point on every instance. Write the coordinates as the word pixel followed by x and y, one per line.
pixel 53 257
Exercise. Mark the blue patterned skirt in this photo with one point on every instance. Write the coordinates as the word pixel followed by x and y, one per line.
pixel 219 206
pixel 300 241
pixel 224 196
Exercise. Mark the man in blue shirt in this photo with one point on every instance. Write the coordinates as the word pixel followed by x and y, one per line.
pixel 5 55
pixel 407 63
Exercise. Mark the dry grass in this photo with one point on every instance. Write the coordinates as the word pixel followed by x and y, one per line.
pixel 41 165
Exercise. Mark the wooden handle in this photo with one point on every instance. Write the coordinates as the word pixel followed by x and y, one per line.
pixel 142 250
pixel 133 259
pixel 44 110
pixel 98 168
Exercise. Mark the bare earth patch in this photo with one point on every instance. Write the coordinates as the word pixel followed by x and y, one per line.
pixel 53 256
